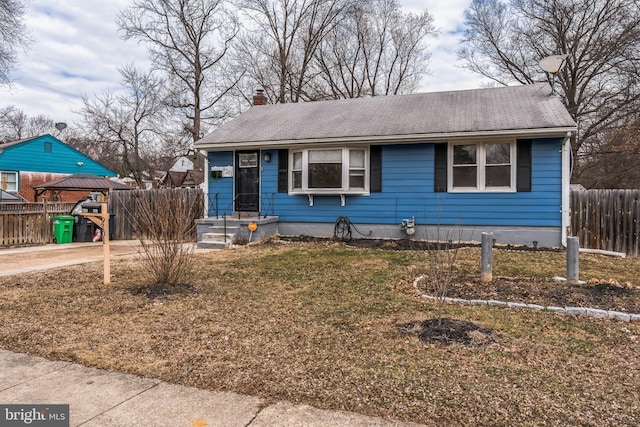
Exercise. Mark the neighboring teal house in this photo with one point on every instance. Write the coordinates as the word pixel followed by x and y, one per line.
pixel 487 160
pixel 33 161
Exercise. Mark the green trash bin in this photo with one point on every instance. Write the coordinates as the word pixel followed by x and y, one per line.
pixel 63 228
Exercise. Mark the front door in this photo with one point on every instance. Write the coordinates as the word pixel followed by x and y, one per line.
pixel 247 181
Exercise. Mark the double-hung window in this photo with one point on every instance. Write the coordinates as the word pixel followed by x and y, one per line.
pixel 9 181
pixel 482 166
pixel 329 171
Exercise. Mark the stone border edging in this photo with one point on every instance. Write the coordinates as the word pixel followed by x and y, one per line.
pixel 570 311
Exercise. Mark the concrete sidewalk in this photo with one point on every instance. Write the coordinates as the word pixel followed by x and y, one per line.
pixel 99 398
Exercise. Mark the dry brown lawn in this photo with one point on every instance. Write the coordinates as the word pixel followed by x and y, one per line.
pixel 327 325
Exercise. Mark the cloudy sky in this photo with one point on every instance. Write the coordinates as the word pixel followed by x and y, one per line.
pixel 77 50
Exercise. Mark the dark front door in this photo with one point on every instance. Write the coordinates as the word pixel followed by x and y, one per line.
pixel 247 181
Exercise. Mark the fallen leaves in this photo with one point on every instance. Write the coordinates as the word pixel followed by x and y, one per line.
pixel 612 282
pixel 316 324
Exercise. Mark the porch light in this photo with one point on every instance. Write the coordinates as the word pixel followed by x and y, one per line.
pixel 267 157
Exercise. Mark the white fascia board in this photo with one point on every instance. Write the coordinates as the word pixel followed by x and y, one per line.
pixel 391 139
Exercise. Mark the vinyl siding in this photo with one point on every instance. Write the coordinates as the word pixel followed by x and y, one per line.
pixel 407 191
pixel 30 156
pixel 222 186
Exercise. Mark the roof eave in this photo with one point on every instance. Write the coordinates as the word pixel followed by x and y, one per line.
pixel 392 139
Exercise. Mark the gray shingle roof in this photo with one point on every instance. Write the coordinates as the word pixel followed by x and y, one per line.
pixel 432 115
pixel 8 197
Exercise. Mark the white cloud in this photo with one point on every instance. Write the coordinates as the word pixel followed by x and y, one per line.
pixel 446 71
pixel 77 50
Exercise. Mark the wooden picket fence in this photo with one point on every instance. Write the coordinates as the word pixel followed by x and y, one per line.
pixel 607 219
pixel 124 204
pixel 29 223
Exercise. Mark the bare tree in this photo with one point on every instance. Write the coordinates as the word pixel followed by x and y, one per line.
pixel 616 164
pixel 442 254
pixel 504 41
pixel 13 35
pixel 102 152
pixel 133 123
pixel 375 50
pixel 189 40
pixel 15 124
pixel 42 124
pixel 278 51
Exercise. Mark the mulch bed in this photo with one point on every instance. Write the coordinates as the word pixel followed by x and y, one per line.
pixel 406 244
pixel 593 294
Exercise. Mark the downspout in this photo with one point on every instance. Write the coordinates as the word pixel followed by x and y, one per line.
pixel 566 182
pixel 206 184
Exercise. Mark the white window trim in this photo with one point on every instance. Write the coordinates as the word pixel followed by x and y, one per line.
pixel 345 190
pixel 17 181
pixel 480 167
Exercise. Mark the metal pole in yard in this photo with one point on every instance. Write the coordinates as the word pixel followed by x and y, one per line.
pixel 573 262
pixel 487 242
pixel 106 250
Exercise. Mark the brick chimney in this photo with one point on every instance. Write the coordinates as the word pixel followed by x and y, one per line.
pixel 259 98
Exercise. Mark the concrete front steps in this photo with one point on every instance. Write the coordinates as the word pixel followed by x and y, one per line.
pixel 217 239
pixel 218 233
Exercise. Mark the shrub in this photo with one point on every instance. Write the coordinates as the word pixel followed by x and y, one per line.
pixel 164 223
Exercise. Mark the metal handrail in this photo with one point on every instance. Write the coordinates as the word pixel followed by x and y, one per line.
pixel 214 202
pixel 224 216
pixel 231 204
pixel 225 213
pixel 269 205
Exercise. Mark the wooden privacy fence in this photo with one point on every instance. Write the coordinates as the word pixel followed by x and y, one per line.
pixel 32 223
pixel 29 223
pixel 607 219
pixel 125 204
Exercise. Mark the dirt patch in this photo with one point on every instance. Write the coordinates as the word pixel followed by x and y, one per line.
pixel 447 331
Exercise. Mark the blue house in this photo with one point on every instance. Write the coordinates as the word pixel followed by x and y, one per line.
pixel 27 163
pixel 486 160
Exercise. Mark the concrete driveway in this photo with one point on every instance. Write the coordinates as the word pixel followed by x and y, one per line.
pixel 34 258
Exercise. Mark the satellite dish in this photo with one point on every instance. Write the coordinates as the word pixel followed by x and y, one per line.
pixel 60 126
pixel 551 64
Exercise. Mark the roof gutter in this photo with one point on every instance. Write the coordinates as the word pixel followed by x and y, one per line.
pixel 207 202
pixel 388 139
pixel 566 187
